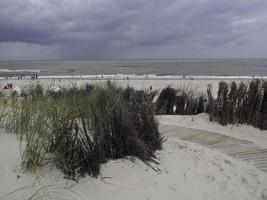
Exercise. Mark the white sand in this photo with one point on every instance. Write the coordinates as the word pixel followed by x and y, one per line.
pixel 198 84
pixel 186 170
pixel 202 122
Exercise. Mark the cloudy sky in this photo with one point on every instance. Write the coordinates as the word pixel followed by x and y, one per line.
pixel 97 29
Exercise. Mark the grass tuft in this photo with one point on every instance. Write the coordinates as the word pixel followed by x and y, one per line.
pixel 78 129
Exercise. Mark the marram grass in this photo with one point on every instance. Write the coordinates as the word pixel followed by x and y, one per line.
pixel 235 103
pixel 241 104
pixel 78 129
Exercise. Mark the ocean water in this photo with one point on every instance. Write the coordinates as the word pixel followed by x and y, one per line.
pixel 209 67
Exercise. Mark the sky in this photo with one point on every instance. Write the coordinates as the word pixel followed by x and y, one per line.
pixel 104 29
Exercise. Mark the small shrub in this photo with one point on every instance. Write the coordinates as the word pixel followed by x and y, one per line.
pixel 166 101
pixel 182 101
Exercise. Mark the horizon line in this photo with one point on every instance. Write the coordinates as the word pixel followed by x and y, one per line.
pixel 121 59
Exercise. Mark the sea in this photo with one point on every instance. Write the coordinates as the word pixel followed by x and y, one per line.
pixel 195 67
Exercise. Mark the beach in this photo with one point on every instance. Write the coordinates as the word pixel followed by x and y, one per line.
pixel 139 82
pixel 133 100
pixel 186 171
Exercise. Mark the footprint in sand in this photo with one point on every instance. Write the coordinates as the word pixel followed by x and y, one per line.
pixel 249 183
pixel 264 195
pixel 209 178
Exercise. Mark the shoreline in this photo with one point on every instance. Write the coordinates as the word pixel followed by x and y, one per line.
pixel 139 82
pixel 139 77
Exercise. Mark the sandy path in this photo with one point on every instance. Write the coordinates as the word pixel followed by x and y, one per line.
pixel 237 148
pixel 186 171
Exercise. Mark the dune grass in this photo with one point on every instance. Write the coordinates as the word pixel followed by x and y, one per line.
pixel 240 104
pixel 235 103
pixel 78 129
pixel 181 101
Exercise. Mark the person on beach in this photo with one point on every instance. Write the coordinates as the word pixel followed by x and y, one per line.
pixel 8 86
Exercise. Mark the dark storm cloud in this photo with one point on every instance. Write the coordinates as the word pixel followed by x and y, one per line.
pixel 110 28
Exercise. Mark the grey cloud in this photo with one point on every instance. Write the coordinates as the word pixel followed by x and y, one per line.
pixel 28 51
pixel 114 28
